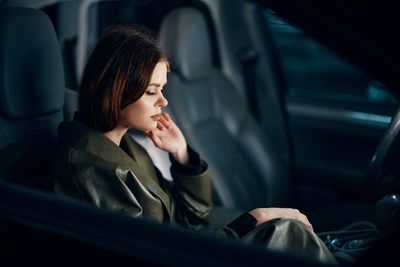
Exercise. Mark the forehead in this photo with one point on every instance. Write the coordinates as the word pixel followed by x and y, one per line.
pixel 159 74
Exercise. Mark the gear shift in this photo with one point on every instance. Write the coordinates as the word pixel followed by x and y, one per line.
pixel 387 213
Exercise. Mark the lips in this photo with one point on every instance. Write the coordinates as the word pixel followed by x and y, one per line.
pixel 156 117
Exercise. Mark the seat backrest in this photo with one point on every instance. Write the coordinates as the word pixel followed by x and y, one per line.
pixel 31 94
pixel 250 60
pixel 269 82
pixel 215 118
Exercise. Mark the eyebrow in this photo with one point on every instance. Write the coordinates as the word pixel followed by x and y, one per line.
pixel 156 84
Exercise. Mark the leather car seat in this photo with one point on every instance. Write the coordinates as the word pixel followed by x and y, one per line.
pixel 249 59
pixel 248 169
pixel 216 121
pixel 32 93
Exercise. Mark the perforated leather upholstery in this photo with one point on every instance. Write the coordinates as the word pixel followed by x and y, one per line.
pixel 216 121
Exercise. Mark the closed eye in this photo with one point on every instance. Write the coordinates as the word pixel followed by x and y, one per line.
pixel 150 93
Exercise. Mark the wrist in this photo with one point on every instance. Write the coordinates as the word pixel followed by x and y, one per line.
pixel 254 214
pixel 260 215
pixel 182 156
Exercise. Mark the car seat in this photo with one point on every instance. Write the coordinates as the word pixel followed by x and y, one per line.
pixel 32 93
pixel 247 168
pixel 249 60
pixel 216 121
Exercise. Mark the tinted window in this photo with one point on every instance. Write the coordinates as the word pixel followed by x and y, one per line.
pixel 313 71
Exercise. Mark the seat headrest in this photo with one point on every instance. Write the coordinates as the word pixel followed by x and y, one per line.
pixel 31 69
pixel 185 35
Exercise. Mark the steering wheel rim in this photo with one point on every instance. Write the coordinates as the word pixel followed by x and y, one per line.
pixel 379 161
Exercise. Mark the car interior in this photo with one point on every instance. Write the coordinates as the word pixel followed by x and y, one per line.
pixel 281 120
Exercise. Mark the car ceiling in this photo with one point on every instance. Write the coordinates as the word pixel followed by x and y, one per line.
pixel 364 32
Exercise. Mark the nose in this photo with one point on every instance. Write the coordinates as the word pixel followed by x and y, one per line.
pixel 162 101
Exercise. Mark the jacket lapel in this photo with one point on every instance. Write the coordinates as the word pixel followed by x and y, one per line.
pixel 132 156
pixel 144 170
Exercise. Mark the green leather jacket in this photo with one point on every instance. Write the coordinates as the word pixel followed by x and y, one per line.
pixel 90 167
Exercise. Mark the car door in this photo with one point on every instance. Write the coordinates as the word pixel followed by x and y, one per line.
pixel 337 114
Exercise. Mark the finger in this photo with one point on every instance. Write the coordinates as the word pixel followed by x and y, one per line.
pixel 301 216
pixel 154 137
pixel 305 217
pixel 165 123
pixel 305 220
pixel 166 116
pixel 160 126
pixel 309 226
pixel 150 134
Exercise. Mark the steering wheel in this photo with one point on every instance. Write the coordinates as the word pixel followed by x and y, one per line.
pixel 383 162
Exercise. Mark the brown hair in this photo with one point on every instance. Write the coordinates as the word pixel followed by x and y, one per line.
pixel 117 74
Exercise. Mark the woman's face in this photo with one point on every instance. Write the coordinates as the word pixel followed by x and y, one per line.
pixel 144 113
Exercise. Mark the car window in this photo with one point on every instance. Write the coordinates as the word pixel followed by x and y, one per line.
pixel 315 72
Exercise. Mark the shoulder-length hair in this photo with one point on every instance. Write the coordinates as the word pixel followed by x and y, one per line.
pixel 117 74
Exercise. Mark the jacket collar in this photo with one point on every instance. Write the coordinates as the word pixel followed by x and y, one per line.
pixel 73 134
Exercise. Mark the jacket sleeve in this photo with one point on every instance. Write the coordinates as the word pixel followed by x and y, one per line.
pixel 191 192
pixel 96 182
pixel 192 198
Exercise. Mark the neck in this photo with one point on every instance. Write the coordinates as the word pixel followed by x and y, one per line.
pixel 116 135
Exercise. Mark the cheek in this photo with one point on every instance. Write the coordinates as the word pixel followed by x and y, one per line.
pixel 137 113
pixel 141 109
pixel 133 114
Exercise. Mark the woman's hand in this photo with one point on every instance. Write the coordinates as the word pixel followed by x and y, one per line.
pixel 169 138
pixel 265 214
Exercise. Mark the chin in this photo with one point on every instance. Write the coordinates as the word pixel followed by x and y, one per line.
pixel 150 127
pixel 145 128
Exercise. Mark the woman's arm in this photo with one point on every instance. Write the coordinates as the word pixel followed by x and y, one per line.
pixel 191 190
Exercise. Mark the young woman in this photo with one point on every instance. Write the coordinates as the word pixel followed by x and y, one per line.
pixel 99 163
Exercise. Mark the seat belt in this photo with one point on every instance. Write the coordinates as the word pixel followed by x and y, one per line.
pixel 248 61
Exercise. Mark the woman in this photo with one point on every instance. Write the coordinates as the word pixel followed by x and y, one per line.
pixel 99 163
